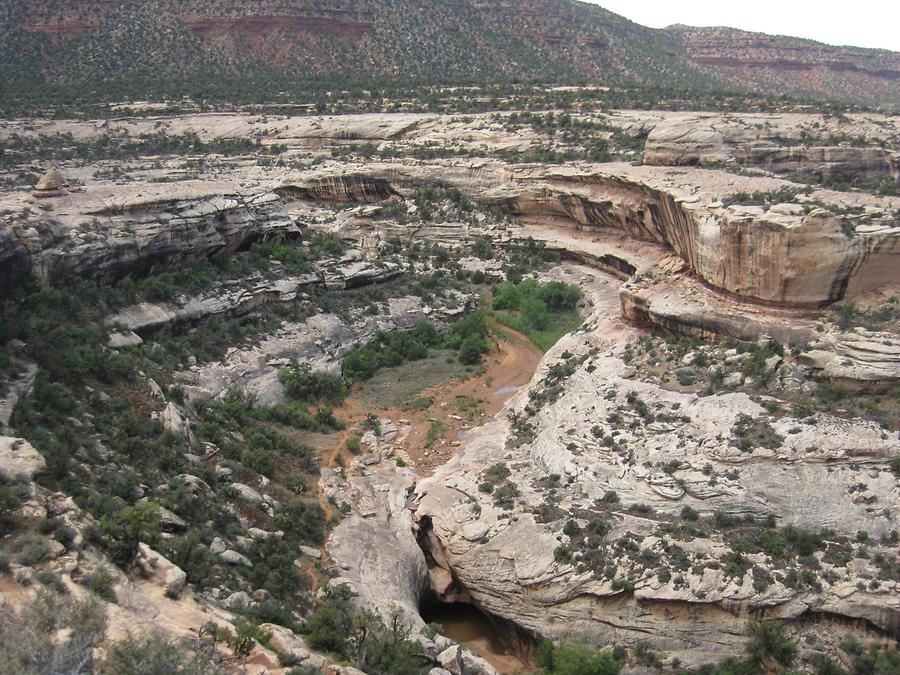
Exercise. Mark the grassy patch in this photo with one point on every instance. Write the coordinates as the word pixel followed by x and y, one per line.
pixel 561 323
pixel 402 385
pixel 435 431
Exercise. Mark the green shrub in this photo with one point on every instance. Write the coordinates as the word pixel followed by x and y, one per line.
pixel 302 519
pixel 689 514
pixel 435 430
pixel 52 581
pixel 259 460
pixel 575 658
pixel 506 297
pixel 769 643
pixel 123 531
pixel 34 549
pixel 686 377
pixel 387 350
pixel 9 502
pixel 544 312
pixel 472 324
pixel 102 582
pixel 505 495
pixel 337 626
pixel 305 386
pixel 498 472
pixel 328 627
pixel 51 634
pixel 192 556
pixel 273 566
pixel 153 654
pixel 471 349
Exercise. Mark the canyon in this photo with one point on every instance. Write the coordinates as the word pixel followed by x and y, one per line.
pixel 714 443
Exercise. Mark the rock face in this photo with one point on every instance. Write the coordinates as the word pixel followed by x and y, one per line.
pixel 245 295
pixel 859 360
pixel 820 248
pixel 15 261
pixel 796 146
pixel 781 255
pixel 286 642
pixel 380 559
pixel 679 307
pixel 16 389
pixel 175 422
pixel 112 231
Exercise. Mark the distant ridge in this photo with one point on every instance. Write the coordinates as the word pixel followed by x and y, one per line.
pixel 66 42
pixel 781 63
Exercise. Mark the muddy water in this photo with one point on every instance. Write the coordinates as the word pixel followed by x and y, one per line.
pixel 469 627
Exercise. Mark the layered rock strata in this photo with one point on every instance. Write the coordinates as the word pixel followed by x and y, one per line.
pixel 109 231
pixel 806 254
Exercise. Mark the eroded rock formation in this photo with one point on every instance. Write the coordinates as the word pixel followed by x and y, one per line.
pixel 507 558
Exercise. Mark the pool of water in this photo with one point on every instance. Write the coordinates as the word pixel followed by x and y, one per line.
pixel 505 391
pixel 470 627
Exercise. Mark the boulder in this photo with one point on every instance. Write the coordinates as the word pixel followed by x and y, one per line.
pixel 49 185
pixel 174 421
pixel 167 574
pixel 232 557
pixel 460 661
pixel 733 380
pixel 247 493
pixel 171 522
pixel 19 459
pixel 311 552
pixel 196 485
pixel 285 641
pixel 155 390
pixel 260 595
pixel 124 339
pixel 239 600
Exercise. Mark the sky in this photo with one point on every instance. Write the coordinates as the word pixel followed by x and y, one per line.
pixel 861 23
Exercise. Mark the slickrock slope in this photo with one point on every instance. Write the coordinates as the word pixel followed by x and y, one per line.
pixel 839 149
pixel 566 454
